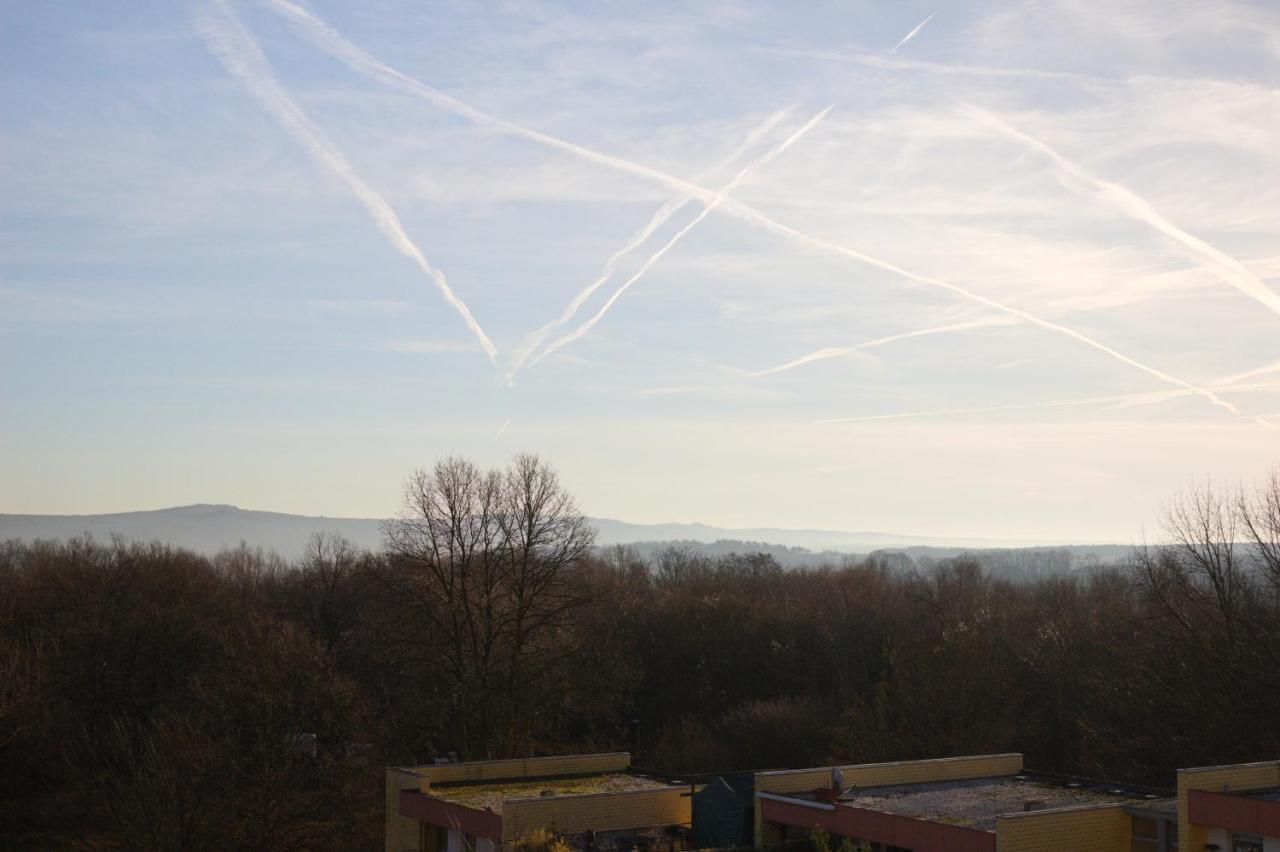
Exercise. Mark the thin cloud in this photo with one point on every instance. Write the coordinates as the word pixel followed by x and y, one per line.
pixel 419 347
pixel 333 43
pixel 236 49
pixel 838 351
pixel 534 339
pixel 1249 374
pixel 1119 400
pixel 915 31
pixel 897 63
pixel 1215 261
pixel 656 256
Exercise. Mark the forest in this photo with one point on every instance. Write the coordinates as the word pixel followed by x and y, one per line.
pixel 152 698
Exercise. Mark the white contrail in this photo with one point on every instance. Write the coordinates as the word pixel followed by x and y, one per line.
pixel 837 351
pixel 1123 399
pixel 1211 258
pixel 915 32
pixel 706 210
pixel 501 429
pixel 356 58
pixel 533 340
pixel 235 48
pixel 1249 374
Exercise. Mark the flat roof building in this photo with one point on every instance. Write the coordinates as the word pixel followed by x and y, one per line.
pixel 990 803
pixel 481 806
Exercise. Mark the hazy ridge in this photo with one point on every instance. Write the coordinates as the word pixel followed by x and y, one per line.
pixel 207 528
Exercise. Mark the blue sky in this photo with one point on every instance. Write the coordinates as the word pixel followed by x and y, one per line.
pixel 1069 210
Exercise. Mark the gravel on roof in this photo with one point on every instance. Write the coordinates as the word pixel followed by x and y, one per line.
pixel 977 802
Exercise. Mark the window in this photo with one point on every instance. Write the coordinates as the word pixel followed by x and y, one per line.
pixel 1146 835
pixel 1246 843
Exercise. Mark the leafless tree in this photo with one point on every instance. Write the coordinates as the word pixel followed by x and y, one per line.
pixel 487 559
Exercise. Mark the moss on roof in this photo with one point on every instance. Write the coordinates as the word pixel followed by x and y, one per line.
pixel 491 794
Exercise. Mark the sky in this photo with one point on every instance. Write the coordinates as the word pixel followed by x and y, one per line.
pixel 1007 270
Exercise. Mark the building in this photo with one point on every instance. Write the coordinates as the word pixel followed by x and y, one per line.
pixel 481 806
pixel 1231 808
pixel 990 803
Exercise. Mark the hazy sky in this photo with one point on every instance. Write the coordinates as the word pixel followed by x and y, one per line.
pixel 258 252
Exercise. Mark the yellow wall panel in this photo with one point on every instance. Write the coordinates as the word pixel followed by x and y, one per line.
pixel 898 772
pixel 1243 776
pixel 402 834
pixel 1105 828
pixel 527 767
pixel 596 811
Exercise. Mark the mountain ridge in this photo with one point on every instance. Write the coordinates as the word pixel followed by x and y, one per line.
pixel 209 527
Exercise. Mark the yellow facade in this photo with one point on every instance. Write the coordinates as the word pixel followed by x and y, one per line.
pixel 1103 828
pixel 525 767
pixel 881 774
pixel 1219 779
pixel 898 772
pixel 600 811
pixel 402 834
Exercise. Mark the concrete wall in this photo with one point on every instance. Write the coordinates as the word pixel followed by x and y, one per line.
pixel 637 809
pixel 1219 779
pixel 1101 828
pixel 528 767
pixel 402 834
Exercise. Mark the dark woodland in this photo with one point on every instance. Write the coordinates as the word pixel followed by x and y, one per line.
pixel 152 698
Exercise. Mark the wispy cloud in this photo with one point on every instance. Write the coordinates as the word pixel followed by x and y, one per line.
pixel 915 31
pixel 898 63
pixel 1249 374
pixel 535 338
pixel 1214 260
pixel 356 58
pixel 419 347
pixel 838 351
pixel 679 235
pixel 1117 400
pixel 232 44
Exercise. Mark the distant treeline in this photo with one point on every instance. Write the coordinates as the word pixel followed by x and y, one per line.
pixel 151 698
pixel 1012 563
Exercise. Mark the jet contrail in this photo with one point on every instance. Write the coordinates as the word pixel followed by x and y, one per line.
pixel 915 32
pixel 235 48
pixel 1214 260
pixel 501 429
pixel 706 210
pixel 837 351
pixel 1122 399
pixel 665 212
pixel 357 59
pixel 1249 374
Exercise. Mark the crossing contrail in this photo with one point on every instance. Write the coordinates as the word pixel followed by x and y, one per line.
pixel 1212 259
pixel 914 32
pixel 1122 399
pixel 533 340
pixel 837 351
pixel 235 48
pixel 357 59
pixel 1249 374
pixel 706 210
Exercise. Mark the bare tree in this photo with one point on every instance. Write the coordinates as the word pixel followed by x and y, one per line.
pixel 487 559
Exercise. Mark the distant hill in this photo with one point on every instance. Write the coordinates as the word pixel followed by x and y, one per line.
pixel 204 527
pixel 207 528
